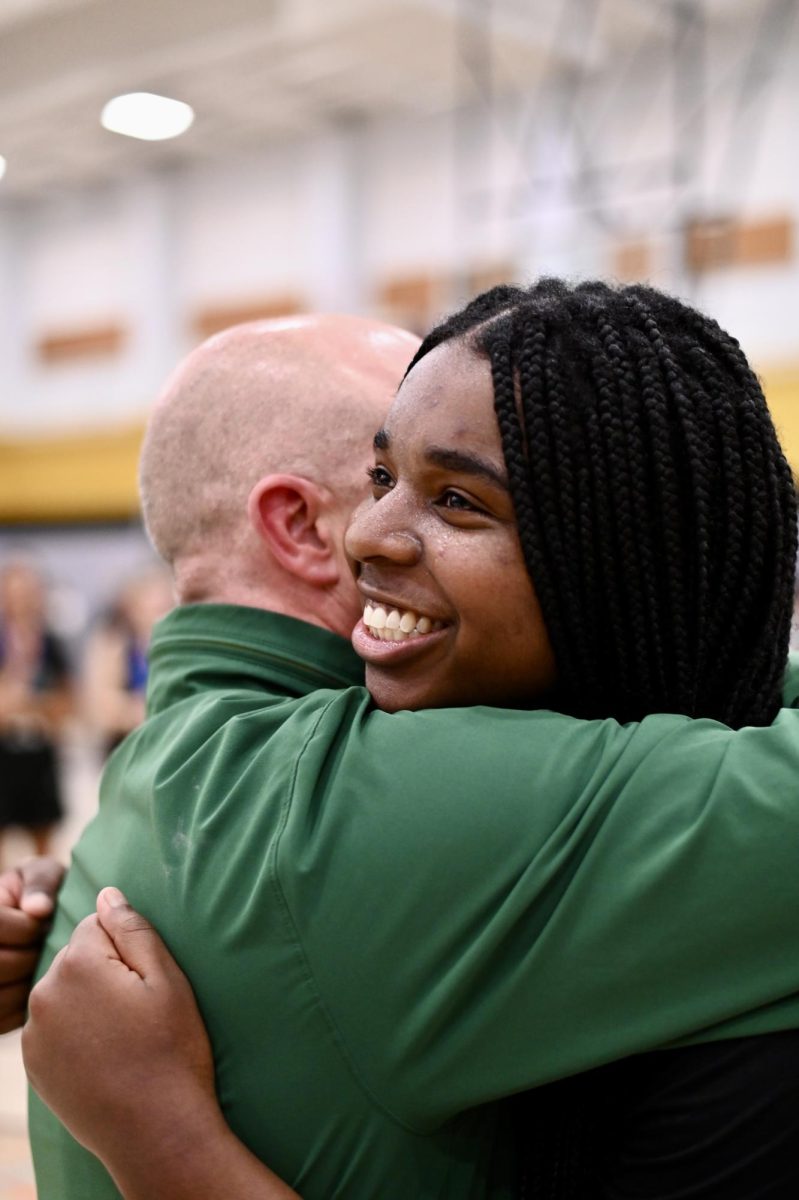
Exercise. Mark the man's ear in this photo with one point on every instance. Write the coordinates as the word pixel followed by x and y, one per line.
pixel 287 513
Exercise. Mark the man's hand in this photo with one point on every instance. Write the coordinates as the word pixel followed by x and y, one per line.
pixel 27 900
pixel 115 1044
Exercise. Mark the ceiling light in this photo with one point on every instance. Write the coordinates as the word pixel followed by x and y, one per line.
pixel 147 116
pixel 2 166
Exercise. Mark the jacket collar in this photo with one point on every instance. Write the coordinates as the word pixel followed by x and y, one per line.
pixel 202 646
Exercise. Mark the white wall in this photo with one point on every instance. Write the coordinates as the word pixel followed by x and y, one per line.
pixel 327 217
pixel 241 230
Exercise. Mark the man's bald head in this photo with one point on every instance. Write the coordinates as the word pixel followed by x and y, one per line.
pixel 299 395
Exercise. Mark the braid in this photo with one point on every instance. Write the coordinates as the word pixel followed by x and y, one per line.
pixel 655 510
pixel 484 307
pixel 513 440
pixel 687 578
pixel 636 488
pixel 732 544
pixel 540 551
pixel 573 525
pixel 769 521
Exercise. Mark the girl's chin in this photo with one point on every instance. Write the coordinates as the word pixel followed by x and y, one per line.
pixel 394 695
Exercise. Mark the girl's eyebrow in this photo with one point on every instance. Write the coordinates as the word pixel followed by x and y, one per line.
pixel 453 460
pixel 466 464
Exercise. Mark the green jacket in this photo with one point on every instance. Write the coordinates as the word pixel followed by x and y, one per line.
pixel 392 920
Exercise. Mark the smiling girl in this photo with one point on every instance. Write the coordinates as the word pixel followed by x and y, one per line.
pixel 616 444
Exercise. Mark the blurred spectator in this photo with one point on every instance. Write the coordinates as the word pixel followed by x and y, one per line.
pixel 116 657
pixel 35 700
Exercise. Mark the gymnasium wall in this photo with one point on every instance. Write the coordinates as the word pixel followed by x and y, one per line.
pixel 102 291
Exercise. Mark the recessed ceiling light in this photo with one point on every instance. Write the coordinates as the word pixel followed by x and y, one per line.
pixel 147 116
pixel 2 166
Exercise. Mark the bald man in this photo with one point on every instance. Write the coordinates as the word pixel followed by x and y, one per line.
pixel 389 921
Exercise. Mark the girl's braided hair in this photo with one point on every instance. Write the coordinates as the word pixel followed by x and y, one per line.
pixel 656 511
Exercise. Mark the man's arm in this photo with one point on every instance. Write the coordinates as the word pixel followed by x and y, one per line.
pixel 558 893
pixel 116 1047
pixel 27 899
pixel 510 897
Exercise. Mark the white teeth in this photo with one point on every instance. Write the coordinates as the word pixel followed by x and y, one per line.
pixel 394 625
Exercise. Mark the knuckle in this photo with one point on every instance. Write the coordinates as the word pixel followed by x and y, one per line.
pixel 134 922
pixel 30 1048
pixel 39 998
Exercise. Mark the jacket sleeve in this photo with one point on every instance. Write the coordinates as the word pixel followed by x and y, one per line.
pixel 497 899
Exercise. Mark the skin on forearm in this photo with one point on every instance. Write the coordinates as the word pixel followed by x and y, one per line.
pixel 196 1158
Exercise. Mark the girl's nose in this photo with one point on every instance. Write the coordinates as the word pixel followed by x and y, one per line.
pixel 380 530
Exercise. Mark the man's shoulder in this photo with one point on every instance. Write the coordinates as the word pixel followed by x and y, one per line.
pixel 220 720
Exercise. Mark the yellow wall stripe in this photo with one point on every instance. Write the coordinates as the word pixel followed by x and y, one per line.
pixel 781 385
pixel 91 477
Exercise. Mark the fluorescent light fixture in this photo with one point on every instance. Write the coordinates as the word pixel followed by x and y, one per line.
pixel 2 166
pixel 147 116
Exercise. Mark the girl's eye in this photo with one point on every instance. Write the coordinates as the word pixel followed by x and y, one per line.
pixel 457 503
pixel 381 480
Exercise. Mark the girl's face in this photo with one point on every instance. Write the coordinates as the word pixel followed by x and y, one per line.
pixel 450 614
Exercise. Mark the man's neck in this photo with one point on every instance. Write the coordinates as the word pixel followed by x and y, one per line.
pixel 198 583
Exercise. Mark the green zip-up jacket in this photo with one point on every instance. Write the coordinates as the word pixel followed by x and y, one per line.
pixel 390 921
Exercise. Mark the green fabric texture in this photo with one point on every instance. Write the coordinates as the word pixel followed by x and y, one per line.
pixel 392 920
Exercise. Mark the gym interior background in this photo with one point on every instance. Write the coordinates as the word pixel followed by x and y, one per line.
pixel 376 156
